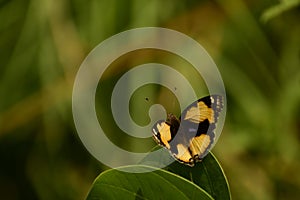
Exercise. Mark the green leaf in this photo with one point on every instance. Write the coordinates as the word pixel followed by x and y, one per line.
pixel 158 184
pixel 207 174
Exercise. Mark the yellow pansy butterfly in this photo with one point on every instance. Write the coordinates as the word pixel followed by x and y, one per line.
pixel 190 137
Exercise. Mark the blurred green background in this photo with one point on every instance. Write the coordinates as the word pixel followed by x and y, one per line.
pixel 255 44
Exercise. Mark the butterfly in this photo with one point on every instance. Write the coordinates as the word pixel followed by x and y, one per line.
pixel 190 137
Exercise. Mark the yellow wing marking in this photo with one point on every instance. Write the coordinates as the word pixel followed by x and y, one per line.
pixel 200 113
pixel 199 144
pixel 183 153
pixel 165 134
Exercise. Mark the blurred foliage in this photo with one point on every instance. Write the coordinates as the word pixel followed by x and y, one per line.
pixel 42 44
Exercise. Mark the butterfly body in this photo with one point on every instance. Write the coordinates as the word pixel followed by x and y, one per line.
pixel 190 137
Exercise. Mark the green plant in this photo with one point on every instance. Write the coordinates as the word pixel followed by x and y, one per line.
pixel 206 180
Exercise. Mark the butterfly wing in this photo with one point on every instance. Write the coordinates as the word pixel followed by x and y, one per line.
pixel 198 123
pixel 164 131
pixel 161 132
pixel 206 108
pixel 167 135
